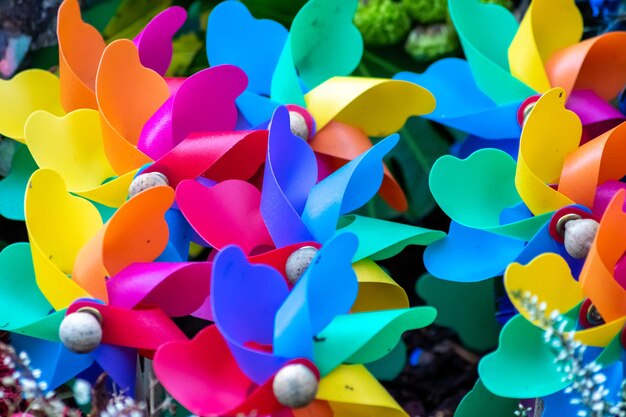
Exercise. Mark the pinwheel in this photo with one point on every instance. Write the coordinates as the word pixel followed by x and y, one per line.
pixel 552 181
pixel 307 66
pixel 122 168
pixel 488 95
pixel 194 198
pixel 111 96
pixel 138 116
pixel 308 323
pixel 294 210
pixel 550 279
pixel 502 212
pixel 546 178
pixel 56 269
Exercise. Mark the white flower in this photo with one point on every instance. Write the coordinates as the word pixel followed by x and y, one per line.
pixel 82 392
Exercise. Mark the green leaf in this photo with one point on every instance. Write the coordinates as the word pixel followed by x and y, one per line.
pixel 131 17
pixel 387 61
pixel 186 47
pixel 101 13
pixel 45 58
pixel 282 11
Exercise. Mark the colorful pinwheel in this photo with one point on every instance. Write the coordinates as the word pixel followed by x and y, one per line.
pixel 509 64
pixel 109 249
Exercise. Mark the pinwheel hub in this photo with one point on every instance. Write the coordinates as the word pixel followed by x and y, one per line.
pixel 145 181
pixel 81 331
pixel 298 262
pixel 295 386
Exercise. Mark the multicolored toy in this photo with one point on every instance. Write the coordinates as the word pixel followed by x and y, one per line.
pixel 259 158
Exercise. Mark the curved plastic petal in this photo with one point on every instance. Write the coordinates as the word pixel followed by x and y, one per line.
pixel 377 290
pixel 128 95
pixel 82 161
pixel 475 191
pixel 328 288
pixel 390 366
pixel 13 186
pixel 461 104
pixel 481 255
pixel 144 328
pixel 59 225
pixel 137 232
pixel 352 391
pixel 71 145
pixel 378 106
pixel 339 143
pixel 218 156
pixel 549 278
pixel 317 408
pixel 380 239
pixel 476 24
pixel 524 353
pixel 604 195
pixel 286 86
pixel 227 213
pixel 600 335
pixel 481 402
pixel 237 285
pixel 57 364
pixel 324 40
pixel 593 164
pixel 596 115
pixel 27 92
pixel 593 64
pixel 178 288
pixel 345 190
pixel 470 255
pixel 181 235
pixel 597 276
pixel 254 108
pixel 547 27
pixel 80 49
pixel 478 330
pixel 365 337
pixel 112 193
pixel 285 149
pixel 550 133
pixel 24 308
pixel 120 363
pixel 154 42
pixel 485 195
pixel 205 102
pixel 190 369
pixel 256 292
pixel 235 37
pixel 290 173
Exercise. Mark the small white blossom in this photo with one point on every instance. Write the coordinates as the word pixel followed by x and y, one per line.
pixel 82 392
pixel 585 379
